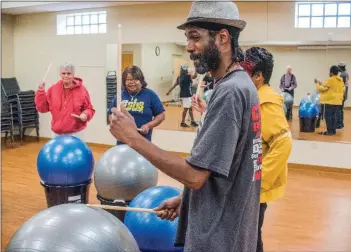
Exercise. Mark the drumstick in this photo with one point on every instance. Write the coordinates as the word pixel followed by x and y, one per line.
pixel 74 115
pixel 119 68
pixel 47 71
pixel 121 208
pixel 119 71
pixel 199 89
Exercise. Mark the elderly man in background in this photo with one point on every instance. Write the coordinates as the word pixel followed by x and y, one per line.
pixel 288 84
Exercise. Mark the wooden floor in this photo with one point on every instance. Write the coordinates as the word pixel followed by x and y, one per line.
pixel 174 118
pixel 314 215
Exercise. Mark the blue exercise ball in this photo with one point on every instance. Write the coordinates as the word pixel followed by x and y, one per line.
pixel 288 100
pixel 152 233
pixel 65 160
pixel 302 110
pixel 311 110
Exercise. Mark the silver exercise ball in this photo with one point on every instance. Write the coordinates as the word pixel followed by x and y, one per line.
pixel 285 109
pixel 122 173
pixel 288 100
pixel 207 95
pixel 315 97
pixel 73 227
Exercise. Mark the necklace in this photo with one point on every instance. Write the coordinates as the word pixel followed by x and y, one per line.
pixel 235 67
pixel 133 96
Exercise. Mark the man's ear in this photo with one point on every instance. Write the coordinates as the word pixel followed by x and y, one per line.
pixel 224 36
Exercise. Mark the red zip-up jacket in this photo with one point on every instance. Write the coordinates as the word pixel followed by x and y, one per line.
pixel 64 102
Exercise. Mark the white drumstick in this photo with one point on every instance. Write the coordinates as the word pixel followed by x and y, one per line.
pixel 199 88
pixel 119 70
pixel 47 71
pixel 121 208
pixel 119 67
pixel 74 115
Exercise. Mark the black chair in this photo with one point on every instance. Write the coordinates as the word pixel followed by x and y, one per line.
pixel 6 119
pixel 22 106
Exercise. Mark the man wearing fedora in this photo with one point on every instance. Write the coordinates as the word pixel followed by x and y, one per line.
pixel 218 209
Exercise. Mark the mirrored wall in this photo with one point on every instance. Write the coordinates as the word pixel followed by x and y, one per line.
pixel 161 65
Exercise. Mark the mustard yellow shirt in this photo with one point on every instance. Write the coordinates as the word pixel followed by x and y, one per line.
pixel 276 144
pixel 331 91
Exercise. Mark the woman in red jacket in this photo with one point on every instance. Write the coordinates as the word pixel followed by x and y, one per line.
pixel 68 101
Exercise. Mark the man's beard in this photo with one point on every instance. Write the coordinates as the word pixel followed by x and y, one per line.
pixel 208 60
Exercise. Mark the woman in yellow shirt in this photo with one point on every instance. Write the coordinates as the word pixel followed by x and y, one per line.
pixel 276 135
pixel 331 98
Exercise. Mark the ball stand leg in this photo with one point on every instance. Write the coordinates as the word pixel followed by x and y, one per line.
pixel 118 214
pixel 64 194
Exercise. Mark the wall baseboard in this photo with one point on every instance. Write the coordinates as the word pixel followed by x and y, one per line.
pixel 318 168
pixel 46 139
pixel 294 166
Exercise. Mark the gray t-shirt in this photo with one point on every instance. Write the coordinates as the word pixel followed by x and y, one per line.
pixel 223 215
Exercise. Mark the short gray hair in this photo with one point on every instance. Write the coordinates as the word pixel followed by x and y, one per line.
pixel 68 66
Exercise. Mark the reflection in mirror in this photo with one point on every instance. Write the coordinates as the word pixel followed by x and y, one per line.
pixel 138 94
pixel 160 64
pixel 170 73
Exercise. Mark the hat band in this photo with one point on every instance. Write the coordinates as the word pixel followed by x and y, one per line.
pixel 208 25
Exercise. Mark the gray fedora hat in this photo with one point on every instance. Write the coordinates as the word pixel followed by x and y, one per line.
pixel 225 13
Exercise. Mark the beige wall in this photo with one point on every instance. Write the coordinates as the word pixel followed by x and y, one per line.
pixel 265 21
pixel 7 50
pixel 111 55
pixel 158 70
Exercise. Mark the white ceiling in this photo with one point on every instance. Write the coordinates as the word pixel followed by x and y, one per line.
pixel 25 7
pixel 14 7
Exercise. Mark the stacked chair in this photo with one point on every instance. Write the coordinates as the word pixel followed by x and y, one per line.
pixel 111 88
pixel 6 118
pixel 22 106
